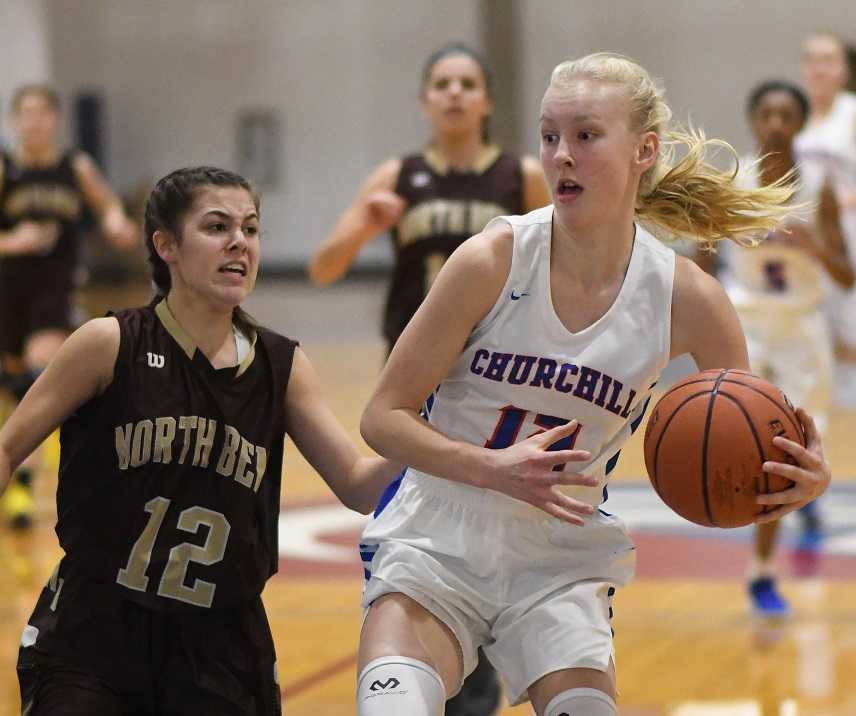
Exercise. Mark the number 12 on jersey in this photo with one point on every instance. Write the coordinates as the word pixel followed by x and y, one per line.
pixel 511 419
pixel 172 585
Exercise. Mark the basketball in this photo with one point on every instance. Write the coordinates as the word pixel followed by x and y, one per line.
pixel 707 439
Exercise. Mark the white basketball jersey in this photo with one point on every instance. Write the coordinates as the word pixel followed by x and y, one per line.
pixel 771 278
pixel 523 372
pixel 828 147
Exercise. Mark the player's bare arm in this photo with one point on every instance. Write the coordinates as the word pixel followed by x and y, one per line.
pixel 704 322
pixel 357 481
pixel 705 325
pixel 832 248
pixel 105 203
pixel 375 210
pixel 82 369
pixel 464 292
pixel 29 238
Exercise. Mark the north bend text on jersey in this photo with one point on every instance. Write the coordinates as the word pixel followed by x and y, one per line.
pixel 578 380
pixel 156 441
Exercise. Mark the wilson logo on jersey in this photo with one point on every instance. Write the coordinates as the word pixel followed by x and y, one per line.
pixel 589 384
pixel 155 360
pixel 420 179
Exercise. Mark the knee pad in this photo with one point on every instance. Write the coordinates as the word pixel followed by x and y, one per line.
pixel 395 685
pixel 581 702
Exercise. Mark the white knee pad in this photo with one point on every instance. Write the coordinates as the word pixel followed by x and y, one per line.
pixel 396 685
pixel 581 702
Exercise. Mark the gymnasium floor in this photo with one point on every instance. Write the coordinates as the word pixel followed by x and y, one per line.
pixel 686 643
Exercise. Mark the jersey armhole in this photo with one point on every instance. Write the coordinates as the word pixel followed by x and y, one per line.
pixel 485 323
pixel 667 348
pixel 121 356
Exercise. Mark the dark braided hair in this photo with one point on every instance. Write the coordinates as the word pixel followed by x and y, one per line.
pixel 167 205
pixel 453 49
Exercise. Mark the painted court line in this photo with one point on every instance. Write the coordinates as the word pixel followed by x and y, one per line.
pixel 307 682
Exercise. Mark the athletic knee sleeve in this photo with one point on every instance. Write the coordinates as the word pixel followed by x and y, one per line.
pixel 581 702
pixel 396 685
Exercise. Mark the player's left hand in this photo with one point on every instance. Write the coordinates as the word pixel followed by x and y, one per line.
pixel 810 474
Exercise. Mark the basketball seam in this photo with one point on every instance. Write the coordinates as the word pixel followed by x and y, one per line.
pixel 755 435
pixel 786 411
pixel 663 433
pixel 707 422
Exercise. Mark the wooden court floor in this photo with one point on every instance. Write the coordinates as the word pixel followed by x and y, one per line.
pixel 686 642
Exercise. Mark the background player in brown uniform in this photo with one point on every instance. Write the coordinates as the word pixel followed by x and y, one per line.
pixel 173 418
pixel 43 191
pixel 432 201
pixel 435 199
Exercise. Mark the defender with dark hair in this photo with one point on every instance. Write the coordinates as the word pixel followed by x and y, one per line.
pixel 173 419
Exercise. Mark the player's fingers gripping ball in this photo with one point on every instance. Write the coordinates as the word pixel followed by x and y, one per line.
pixel 707 440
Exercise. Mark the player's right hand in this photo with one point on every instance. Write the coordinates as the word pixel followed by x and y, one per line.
pixel 385 209
pixel 525 472
pixel 33 238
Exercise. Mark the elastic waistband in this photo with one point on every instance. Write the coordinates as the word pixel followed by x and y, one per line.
pixel 476 498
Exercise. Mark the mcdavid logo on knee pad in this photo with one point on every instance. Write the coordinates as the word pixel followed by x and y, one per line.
pixel 390 683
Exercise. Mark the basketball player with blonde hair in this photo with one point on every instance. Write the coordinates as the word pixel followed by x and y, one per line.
pixel 540 343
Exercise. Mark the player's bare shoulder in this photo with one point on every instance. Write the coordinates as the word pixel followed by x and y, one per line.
pixel 700 307
pixel 471 281
pixel 488 251
pixel 485 258
pixel 384 176
pixel 99 340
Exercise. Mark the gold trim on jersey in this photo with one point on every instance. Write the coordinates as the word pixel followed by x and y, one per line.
pixel 484 160
pixel 186 343
pixel 248 359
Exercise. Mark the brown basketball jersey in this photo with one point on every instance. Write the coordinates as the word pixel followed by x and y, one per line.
pixel 444 208
pixel 43 194
pixel 169 481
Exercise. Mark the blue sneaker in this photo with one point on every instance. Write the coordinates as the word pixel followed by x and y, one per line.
pixel 766 600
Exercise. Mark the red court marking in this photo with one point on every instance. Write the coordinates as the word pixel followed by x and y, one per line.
pixel 307 682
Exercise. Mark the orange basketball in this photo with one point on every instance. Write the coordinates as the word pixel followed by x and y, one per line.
pixel 707 439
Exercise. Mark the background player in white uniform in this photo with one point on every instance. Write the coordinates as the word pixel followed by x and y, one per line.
pixel 545 334
pixel 826 147
pixel 778 290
